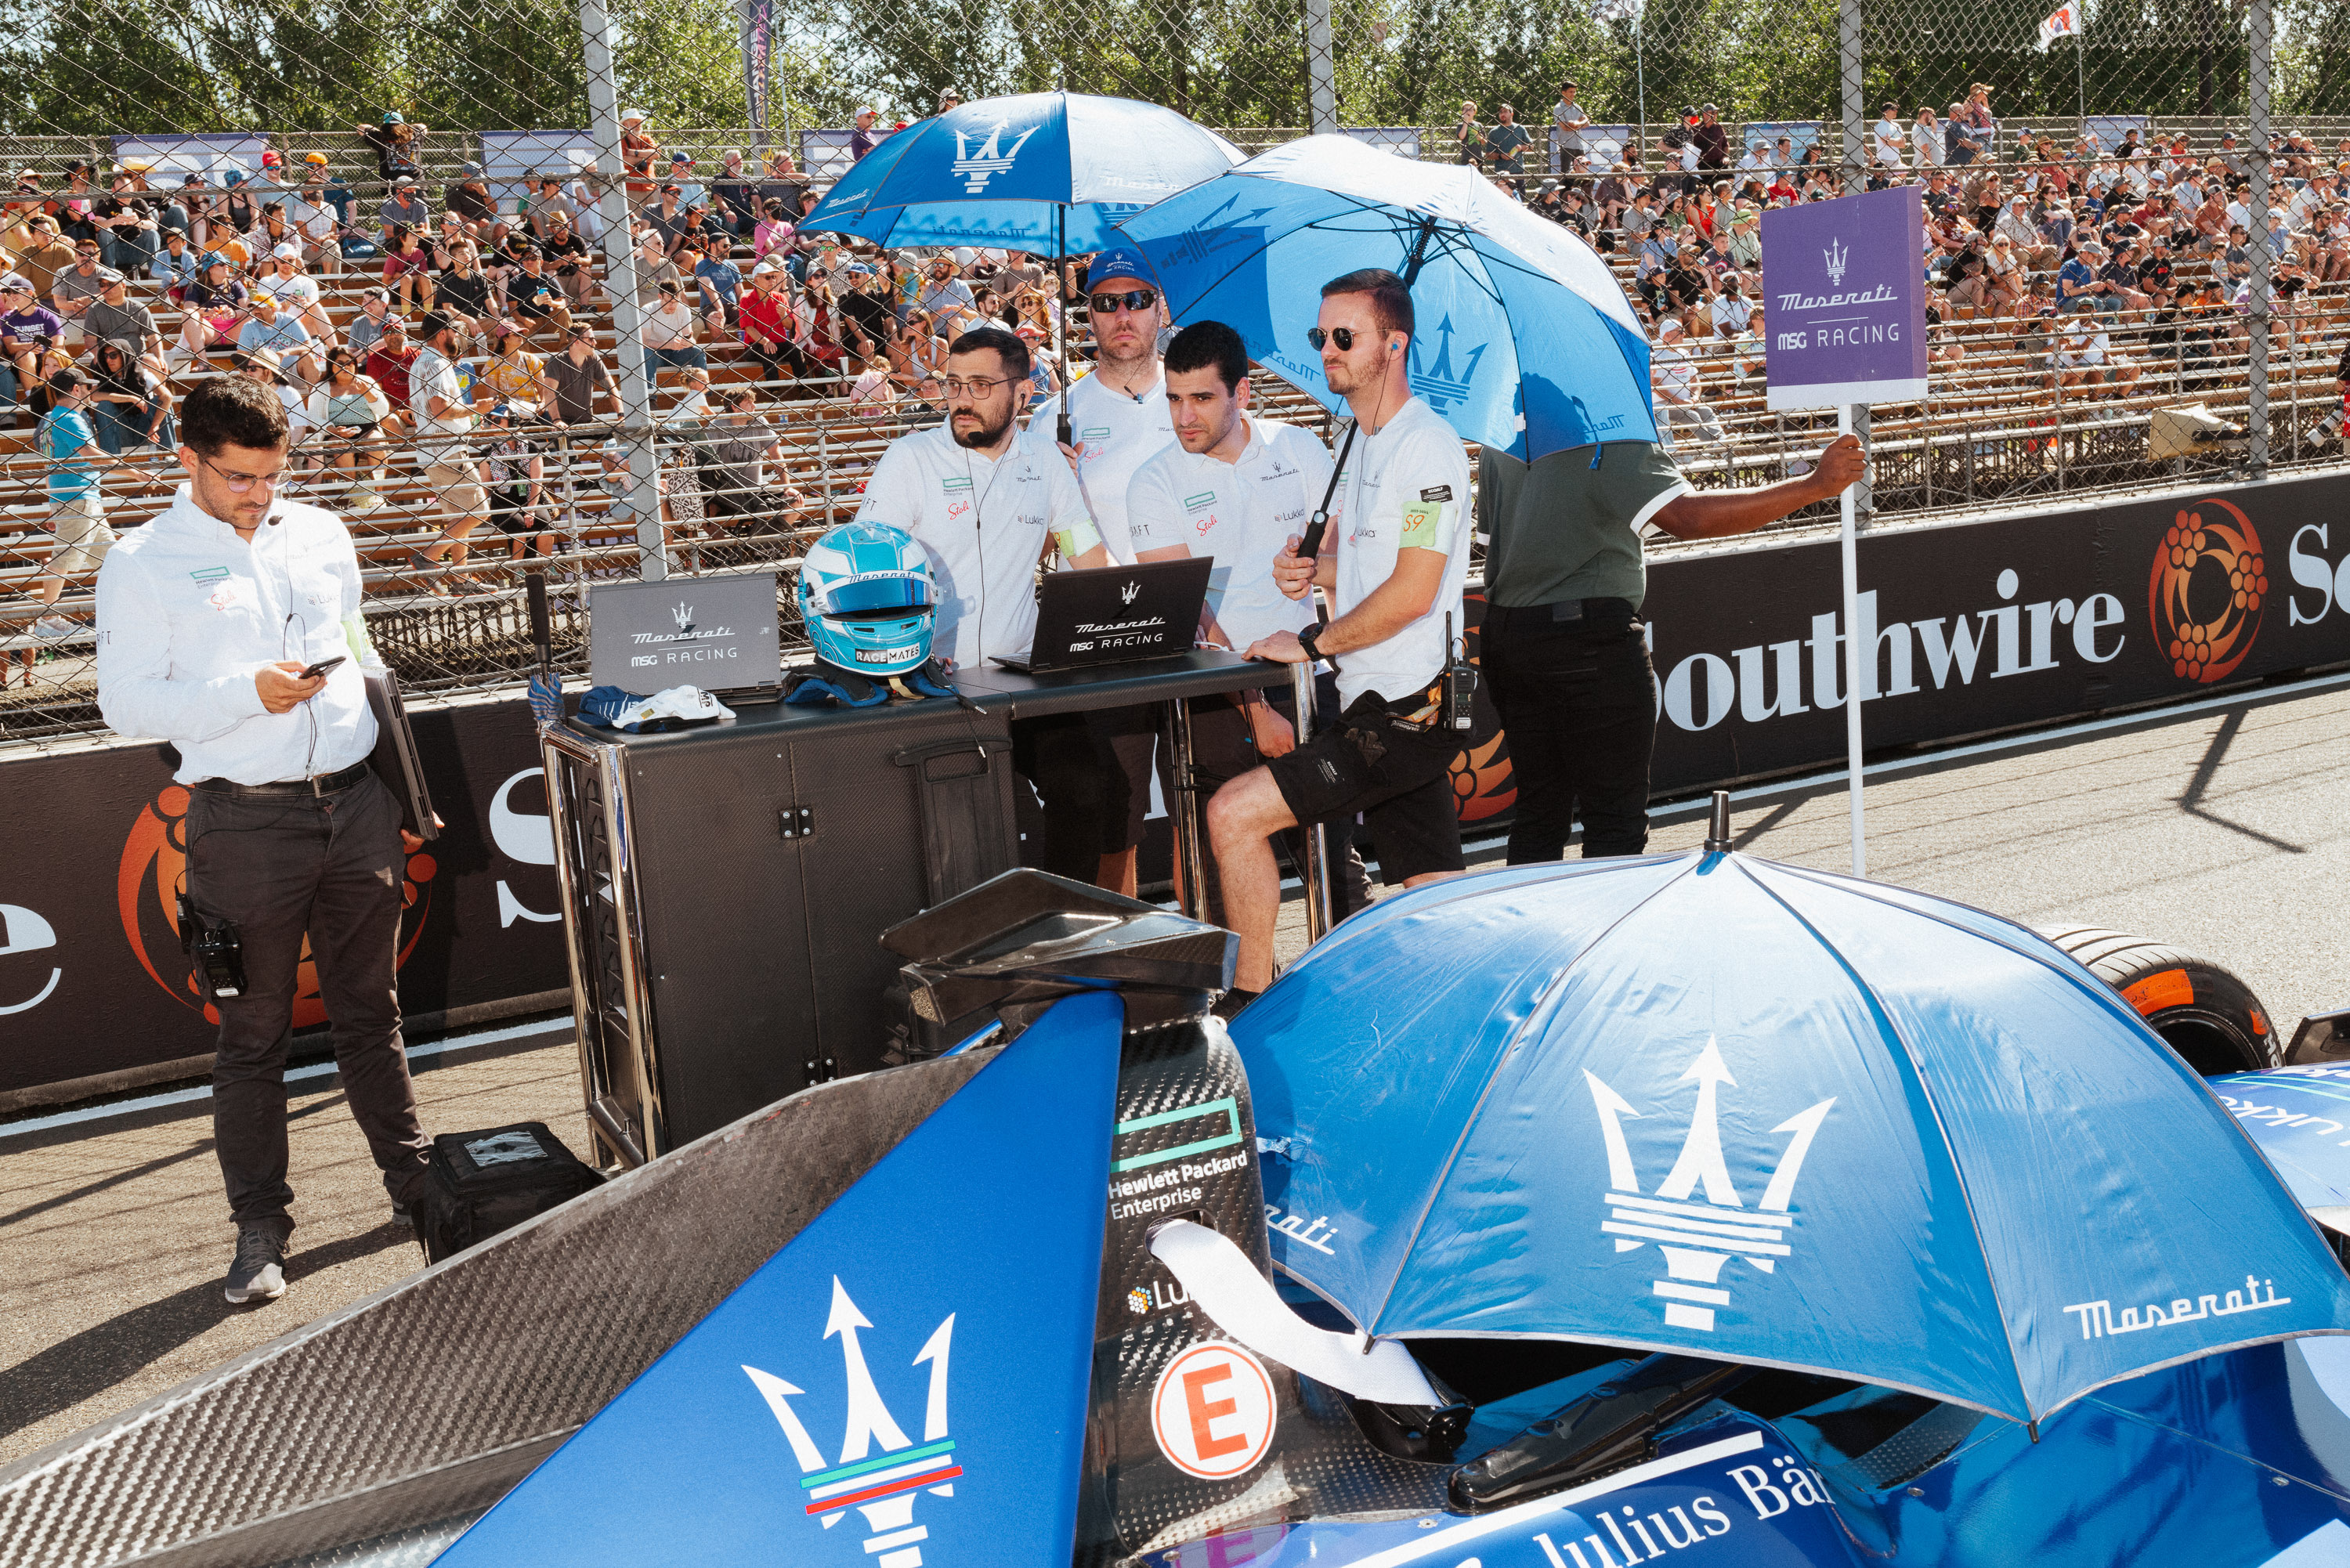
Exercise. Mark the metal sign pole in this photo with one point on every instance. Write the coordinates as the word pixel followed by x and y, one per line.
pixel 1852 653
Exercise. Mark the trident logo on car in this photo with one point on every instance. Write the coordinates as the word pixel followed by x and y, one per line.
pixel 978 167
pixel 1697 1238
pixel 882 1487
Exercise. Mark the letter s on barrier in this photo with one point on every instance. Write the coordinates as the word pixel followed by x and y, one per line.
pixel 2097 612
pixel 2310 570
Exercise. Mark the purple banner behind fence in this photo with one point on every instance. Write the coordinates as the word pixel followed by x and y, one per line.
pixel 1844 300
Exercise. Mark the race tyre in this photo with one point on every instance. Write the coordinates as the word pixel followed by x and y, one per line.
pixel 2201 1010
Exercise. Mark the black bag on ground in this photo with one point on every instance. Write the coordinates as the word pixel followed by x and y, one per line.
pixel 480 1183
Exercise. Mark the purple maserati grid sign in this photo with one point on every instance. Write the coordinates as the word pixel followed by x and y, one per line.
pixel 1844 300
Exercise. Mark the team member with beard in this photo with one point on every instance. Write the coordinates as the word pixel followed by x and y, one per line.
pixel 1117 421
pixel 982 497
pixel 1235 486
pixel 1396 574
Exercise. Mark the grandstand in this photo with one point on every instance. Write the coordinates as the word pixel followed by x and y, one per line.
pixel 2009 417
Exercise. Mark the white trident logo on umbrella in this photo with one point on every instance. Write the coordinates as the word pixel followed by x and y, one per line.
pixel 1697 1238
pixel 883 1487
pixel 978 167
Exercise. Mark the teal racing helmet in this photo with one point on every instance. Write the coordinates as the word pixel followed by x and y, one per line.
pixel 867 600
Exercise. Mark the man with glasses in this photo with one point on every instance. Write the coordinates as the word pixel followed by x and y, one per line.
pixel 214 622
pixel 1393 561
pixel 1118 420
pixel 983 498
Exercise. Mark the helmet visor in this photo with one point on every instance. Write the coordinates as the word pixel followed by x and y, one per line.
pixel 877 599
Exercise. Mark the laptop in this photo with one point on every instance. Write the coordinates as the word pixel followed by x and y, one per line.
pixel 719 633
pixel 1114 615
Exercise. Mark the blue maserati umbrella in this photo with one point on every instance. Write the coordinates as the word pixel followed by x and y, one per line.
pixel 1525 340
pixel 1713 1105
pixel 1050 173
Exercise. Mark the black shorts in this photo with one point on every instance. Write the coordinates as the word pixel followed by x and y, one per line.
pixel 1396 776
pixel 510 512
pixel 1124 740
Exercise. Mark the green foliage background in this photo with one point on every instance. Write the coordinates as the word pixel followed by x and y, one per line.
pixel 93 66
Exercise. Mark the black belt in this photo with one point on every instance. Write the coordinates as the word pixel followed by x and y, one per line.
pixel 1563 610
pixel 287 789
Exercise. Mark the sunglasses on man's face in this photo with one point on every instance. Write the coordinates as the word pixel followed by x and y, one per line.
pixel 1137 300
pixel 1344 336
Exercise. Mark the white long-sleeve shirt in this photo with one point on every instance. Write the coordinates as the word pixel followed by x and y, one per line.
pixel 187 613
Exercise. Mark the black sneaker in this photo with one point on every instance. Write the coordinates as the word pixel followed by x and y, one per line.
pixel 257 1272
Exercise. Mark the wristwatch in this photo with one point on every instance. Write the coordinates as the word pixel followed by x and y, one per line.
pixel 1309 638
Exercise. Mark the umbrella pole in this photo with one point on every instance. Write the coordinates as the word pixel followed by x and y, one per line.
pixel 1061 276
pixel 1852 657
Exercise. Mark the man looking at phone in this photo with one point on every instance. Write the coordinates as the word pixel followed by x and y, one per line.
pixel 226 626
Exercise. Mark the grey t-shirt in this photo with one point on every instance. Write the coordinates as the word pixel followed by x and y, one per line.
pixel 130 321
pixel 1566 529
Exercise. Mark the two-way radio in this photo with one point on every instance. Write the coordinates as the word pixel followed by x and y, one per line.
pixel 1459 680
pixel 216 945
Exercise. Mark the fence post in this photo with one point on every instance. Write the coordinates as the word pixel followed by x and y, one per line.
pixel 636 387
pixel 2256 402
pixel 1321 90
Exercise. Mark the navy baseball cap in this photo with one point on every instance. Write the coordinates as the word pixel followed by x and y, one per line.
pixel 1119 260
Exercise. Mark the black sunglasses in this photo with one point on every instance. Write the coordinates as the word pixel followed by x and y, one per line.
pixel 1344 336
pixel 1134 299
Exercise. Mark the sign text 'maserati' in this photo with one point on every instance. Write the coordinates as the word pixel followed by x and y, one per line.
pixel 1844 300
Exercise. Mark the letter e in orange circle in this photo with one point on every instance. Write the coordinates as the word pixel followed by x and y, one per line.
pixel 1204 1411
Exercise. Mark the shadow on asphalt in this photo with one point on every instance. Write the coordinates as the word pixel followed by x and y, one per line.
pixel 105 1354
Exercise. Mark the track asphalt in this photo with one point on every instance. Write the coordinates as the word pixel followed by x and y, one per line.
pixel 2225 830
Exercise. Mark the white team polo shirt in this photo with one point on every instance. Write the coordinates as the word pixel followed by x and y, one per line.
pixel 983 524
pixel 1240 514
pixel 1115 435
pixel 1405 488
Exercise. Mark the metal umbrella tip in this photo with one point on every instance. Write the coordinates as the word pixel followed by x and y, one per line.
pixel 1716 832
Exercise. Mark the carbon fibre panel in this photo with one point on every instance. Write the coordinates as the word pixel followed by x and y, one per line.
pixel 422 1404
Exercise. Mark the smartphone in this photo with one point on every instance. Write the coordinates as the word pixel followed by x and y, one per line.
pixel 322 667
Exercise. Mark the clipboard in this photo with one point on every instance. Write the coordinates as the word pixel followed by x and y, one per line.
pixel 394 758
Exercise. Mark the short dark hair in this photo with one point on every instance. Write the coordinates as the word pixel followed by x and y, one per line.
pixel 1007 345
pixel 1390 300
pixel 1206 344
pixel 232 410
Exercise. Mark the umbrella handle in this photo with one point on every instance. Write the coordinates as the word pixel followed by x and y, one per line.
pixel 1061 430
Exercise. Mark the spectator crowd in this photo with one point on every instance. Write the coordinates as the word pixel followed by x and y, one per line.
pixel 475 375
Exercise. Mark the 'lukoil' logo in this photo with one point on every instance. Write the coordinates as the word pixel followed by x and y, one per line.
pixel 977 168
pixel 881 1486
pixel 1698 1238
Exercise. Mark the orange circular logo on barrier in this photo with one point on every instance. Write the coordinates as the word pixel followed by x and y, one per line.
pixel 2206 595
pixel 146 892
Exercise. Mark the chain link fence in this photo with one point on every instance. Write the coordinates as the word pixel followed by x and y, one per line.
pixel 648 434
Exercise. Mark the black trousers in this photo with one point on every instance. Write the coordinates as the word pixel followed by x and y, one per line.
pixel 329 867
pixel 1578 700
pixel 1080 791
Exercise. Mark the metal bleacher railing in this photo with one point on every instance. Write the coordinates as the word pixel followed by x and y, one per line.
pixel 2016 411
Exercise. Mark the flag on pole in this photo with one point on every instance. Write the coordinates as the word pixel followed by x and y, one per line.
pixel 2064 22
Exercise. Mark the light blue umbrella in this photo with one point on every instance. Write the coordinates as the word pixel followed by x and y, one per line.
pixel 1713 1105
pixel 1049 173
pixel 1525 340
